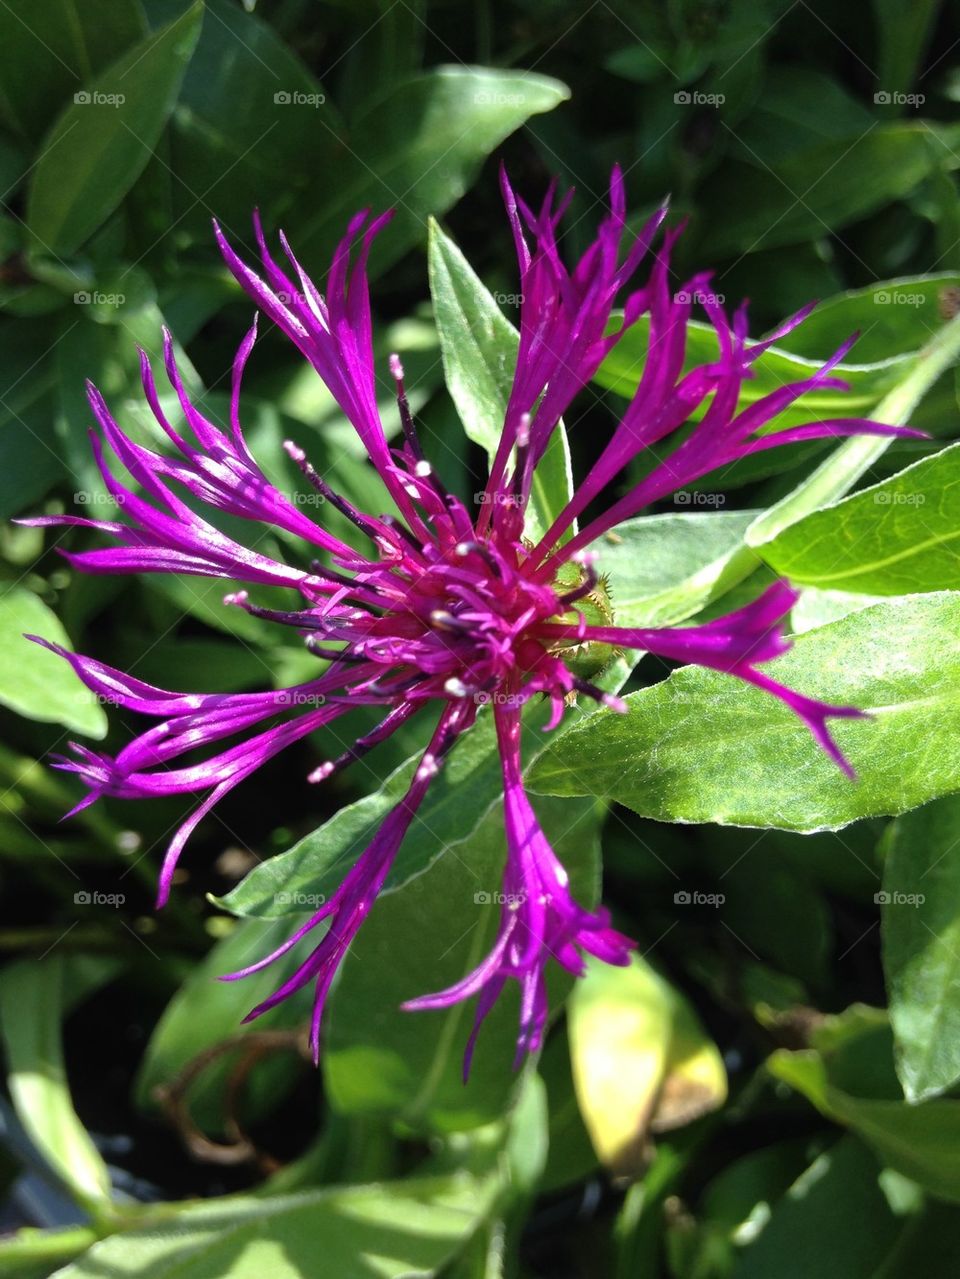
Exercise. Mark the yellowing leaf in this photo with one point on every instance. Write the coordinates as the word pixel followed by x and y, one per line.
pixel 641 1060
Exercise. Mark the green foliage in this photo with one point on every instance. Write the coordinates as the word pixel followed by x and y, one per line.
pixel 772 1089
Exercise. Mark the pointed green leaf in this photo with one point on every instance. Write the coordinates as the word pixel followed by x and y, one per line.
pixel 702 747
pixel 105 138
pixel 890 539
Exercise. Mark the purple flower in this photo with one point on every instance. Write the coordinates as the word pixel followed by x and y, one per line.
pixel 446 608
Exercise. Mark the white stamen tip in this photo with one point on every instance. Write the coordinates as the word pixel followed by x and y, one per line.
pixel 236 597
pixel 321 772
pixel 294 451
pixel 423 469
pixel 523 431
pixel 411 490
pixel 455 687
pixel 428 768
pixel 396 368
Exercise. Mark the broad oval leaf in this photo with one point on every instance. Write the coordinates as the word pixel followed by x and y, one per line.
pixel 702 747
pixel 641 1060
pixel 418 146
pixel 663 568
pixel 393 1230
pixel 895 537
pixel 35 682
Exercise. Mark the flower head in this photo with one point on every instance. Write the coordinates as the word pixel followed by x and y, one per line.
pixel 448 608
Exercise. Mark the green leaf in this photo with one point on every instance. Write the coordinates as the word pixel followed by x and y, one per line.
pixel 640 1059
pixel 30 460
pixel 459 797
pixel 479 346
pixel 853 459
pixel 29 1253
pixel 701 747
pixel 391 1230
pixel 822 188
pixel 797 108
pixel 921 1142
pixel 418 147
pixel 921 946
pixel 902 35
pixel 32 1005
pixel 50 51
pixel 205 1012
pixel 891 317
pixel 663 568
pixel 251 126
pixel 35 682
pixel 810 1229
pixel 893 538
pixel 381 1060
pixel 102 143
